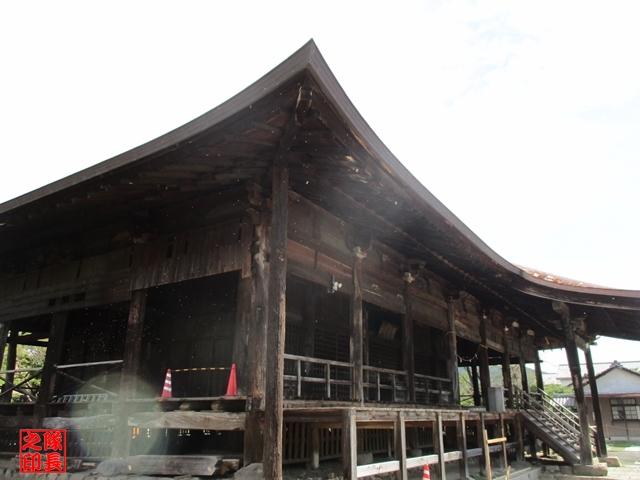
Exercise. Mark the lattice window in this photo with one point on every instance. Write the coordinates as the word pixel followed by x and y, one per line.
pixel 625 408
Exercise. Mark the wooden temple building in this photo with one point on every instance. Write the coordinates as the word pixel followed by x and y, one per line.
pixel 278 234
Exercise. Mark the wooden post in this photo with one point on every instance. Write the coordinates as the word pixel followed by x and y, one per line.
pixel 53 355
pixel 586 456
pixel 540 388
pixel 255 309
pixel 4 333
pixel 408 357
pixel 401 446
pixel 485 375
pixel 12 356
pixel 356 339
pixel 462 446
pixel 129 373
pixel 519 437
pixel 438 445
pixel 504 444
pixel 506 370
pixel 487 455
pixel 350 444
pixel 476 387
pixel 276 321
pixel 601 444
pixel 315 447
pixel 452 362
pixel 480 439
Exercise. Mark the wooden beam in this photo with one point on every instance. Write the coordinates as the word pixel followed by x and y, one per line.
pixel 12 354
pixel 276 320
pixel 462 446
pixel 52 357
pixel 452 362
pixel 483 356
pixel 401 446
pixel 601 444
pixel 408 356
pixel 350 444
pixel 538 366
pixel 356 339
pixel 480 428
pixel 4 333
pixel 586 456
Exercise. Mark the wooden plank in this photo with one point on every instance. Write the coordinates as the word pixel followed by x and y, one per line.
pixel 506 370
pixel 315 447
pixel 203 420
pixel 487 456
pixel 276 319
pixel 350 444
pixel 376 469
pixel 401 446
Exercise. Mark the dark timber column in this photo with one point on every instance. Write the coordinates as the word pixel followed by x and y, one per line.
pixel 276 321
pixel 52 357
pixel 506 370
pixel 129 375
pixel 253 303
pixel 476 387
pixel 595 400
pixel 4 332
pixel 356 340
pixel 452 362
pixel 485 375
pixel 586 456
pixel 12 356
pixel 540 387
pixel 408 357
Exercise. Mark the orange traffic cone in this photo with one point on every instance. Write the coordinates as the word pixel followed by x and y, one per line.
pixel 166 390
pixel 232 386
pixel 426 475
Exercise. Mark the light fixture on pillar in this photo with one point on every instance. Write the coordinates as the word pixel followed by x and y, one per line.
pixel 334 285
pixel 531 333
pixel 515 324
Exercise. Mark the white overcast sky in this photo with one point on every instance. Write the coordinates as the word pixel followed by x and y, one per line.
pixel 522 117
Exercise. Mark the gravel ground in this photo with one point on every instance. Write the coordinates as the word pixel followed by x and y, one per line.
pixel 630 469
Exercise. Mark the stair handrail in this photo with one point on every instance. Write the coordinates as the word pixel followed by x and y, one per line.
pixel 568 413
pixel 532 402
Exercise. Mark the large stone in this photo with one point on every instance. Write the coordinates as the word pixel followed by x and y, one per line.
pixel 251 471
pixel 596 470
pixel 613 462
pixel 112 467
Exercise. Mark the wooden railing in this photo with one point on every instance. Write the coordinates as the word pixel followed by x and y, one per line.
pixel 97 393
pixel 14 383
pixel 317 378
pixel 329 374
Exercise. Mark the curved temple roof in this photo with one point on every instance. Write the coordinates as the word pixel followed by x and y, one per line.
pixel 473 255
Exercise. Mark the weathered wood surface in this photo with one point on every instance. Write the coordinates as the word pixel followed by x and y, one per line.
pixel 205 465
pixel 53 356
pixel 203 420
pixel 356 339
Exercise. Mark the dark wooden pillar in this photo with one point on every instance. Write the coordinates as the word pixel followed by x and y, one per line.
pixel 12 356
pixel 130 370
pixel 276 321
pixel 480 426
pixel 253 301
pixel 52 357
pixel 595 400
pixel 483 356
pixel 452 362
pixel 523 374
pixel 506 370
pixel 408 357
pixel 356 340
pixel 475 385
pixel 586 456
pixel 539 379
pixel 4 333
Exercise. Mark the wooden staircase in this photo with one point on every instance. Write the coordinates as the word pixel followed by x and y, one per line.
pixel 553 423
